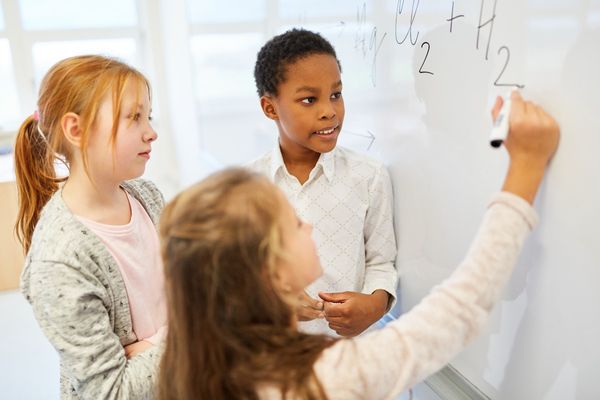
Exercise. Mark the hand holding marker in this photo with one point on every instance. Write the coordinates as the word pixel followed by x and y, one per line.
pixel 502 123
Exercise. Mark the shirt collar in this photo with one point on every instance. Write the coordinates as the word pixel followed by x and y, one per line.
pixel 326 162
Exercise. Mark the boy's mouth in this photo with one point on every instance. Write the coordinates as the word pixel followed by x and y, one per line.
pixel 326 132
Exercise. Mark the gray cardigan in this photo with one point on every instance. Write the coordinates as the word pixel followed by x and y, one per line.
pixel 79 300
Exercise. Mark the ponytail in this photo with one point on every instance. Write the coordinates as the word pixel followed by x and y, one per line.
pixel 36 177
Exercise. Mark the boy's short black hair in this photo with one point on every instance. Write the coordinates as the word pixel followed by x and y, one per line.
pixel 283 50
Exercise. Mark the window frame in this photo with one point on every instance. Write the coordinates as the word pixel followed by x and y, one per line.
pixel 22 41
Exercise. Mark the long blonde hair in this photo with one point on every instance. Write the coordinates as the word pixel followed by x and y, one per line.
pixel 77 85
pixel 230 331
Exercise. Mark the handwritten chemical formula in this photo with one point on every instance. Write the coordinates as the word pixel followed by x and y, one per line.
pixel 370 41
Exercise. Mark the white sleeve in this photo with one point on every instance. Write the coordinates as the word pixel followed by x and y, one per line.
pixel 380 241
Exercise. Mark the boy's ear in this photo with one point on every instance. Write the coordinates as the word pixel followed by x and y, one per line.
pixel 70 124
pixel 268 107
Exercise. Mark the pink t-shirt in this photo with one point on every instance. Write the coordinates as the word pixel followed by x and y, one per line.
pixel 136 250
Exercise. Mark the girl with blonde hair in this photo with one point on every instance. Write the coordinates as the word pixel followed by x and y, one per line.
pixel 237 260
pixel 93 273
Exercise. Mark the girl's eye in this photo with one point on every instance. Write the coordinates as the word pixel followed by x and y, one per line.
pixel 300 223
pixel 336 95
pixel 309 100
pixel 135 116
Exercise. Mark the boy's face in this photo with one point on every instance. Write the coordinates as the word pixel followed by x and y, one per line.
pixel 309 109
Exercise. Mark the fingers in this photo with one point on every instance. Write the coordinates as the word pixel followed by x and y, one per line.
pixel 339 297
pixel 515 95
pixel 309 308
pixel 334 310
pixel 311 302
pixel 518 106
pixel 496 108
pixel 533 136
pixel 308 314
pixel 314 304
pixel 342 331
pixel 135 348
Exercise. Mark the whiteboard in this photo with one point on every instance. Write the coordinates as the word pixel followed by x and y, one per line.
pixel 419 79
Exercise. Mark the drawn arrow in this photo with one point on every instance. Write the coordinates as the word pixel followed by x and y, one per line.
pixel 368 135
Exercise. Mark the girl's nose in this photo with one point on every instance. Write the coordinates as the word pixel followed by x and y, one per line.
pixel 151 136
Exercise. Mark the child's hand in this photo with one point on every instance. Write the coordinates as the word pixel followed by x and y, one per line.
pixel 309 308
pixel 531 142
pixel 136 348
pixel 350 313
pixel 534 133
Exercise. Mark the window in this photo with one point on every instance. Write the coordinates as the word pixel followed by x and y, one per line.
pixel 35 34
pixel 300 11
pixel 9 104
pixel 593 11
pixel 223 46
pixel 224 65
pixel 202 11
pixel 77 14
pixel 45 54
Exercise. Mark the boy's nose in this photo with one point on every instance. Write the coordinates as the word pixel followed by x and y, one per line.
pixel 328 111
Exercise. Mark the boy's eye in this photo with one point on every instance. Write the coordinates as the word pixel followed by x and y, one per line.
pixel 309 100
pixel 336 95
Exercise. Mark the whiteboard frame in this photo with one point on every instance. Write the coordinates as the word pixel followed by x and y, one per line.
pixel 450 384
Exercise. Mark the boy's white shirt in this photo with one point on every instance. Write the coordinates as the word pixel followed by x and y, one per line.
pixel 348 200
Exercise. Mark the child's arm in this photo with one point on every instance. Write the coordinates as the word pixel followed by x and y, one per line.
pixel 71 308
pixel 384 363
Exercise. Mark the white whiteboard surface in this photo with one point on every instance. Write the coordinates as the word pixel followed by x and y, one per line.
pixel 542 340
pixel 418 97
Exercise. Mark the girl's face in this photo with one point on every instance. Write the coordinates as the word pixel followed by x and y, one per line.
pixel 301 265
pixel 309 106
pixel 128 158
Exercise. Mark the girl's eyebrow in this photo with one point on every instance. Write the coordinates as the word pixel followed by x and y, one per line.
pixel 137 107
pixel 337 84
